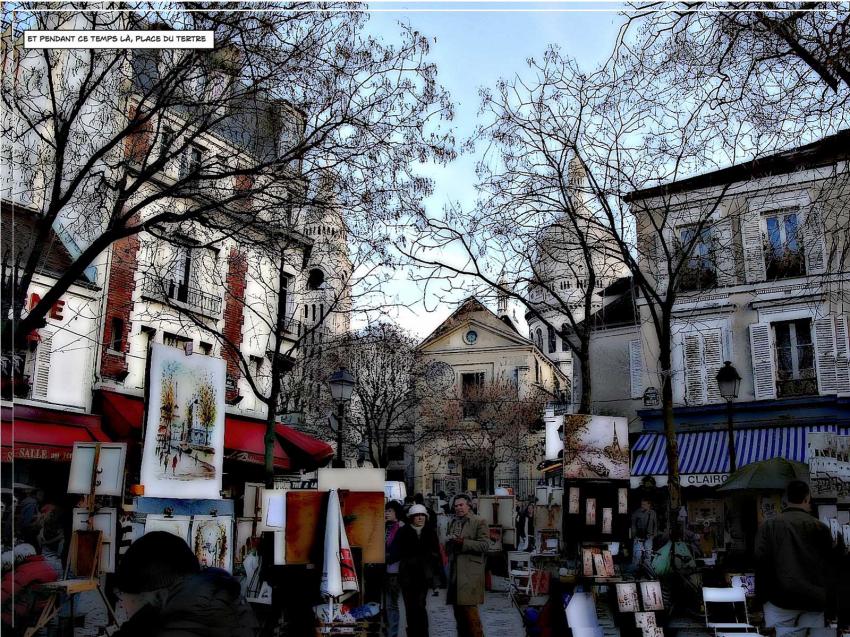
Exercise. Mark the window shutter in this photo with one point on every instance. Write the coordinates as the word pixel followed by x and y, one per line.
pixel 842 355
pixel 831 355
pixel 751 237
pixel 694 385
pixel 761 348
pixel 41 372
pixel 712 349
pixel 636 368
pixel 814 247
pixel 661 262
pixel 723 252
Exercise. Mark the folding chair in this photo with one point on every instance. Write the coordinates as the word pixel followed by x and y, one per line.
pixel 519 573
pixel 732 600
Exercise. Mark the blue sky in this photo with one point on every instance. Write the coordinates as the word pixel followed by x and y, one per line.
pixel 476 44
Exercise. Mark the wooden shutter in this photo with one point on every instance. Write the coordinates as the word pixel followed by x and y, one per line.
pixel 831 355
pixel 764 370
pixel 842 355
pixel 41 370
pixel 814 248
pixel 751 237
pixel 724 254
pixel 636 368
pixel 712 351
pixel 694 385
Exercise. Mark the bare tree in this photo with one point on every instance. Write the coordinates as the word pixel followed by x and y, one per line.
pixel 107 143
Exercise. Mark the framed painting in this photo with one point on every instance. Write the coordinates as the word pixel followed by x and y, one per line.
pixel 175 524
pixel 184 433
pixel 212 541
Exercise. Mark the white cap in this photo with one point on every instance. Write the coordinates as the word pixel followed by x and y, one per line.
pixel 417 509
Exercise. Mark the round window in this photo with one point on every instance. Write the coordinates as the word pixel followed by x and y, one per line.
pixel 471 336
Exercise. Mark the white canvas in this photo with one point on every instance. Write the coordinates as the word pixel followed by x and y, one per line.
pixel 244 535
pixel 103 520
pixel 176 525
pixel 622 501
pixel 212 540
pixel 110 465
pixel 273 509
pixel 184 434
pixel 574 501
pixel 607 520
pixel 250 501
pixel 627 598
pixel 651 594
pixel 596 447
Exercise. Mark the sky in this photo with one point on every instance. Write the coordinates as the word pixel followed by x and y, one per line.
pixel 473 45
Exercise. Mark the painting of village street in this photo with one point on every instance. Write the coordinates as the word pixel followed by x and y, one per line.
pixel 596 447
pixel 185 432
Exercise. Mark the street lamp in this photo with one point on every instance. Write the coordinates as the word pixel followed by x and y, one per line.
pixel 341 383
pixel 729 382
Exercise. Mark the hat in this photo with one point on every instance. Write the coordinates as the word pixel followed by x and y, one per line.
pixel 417 509
pixel 156 560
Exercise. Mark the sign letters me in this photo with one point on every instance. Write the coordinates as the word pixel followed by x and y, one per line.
pixel 55 310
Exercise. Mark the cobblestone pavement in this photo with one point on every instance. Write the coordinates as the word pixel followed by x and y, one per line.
pixel 499 617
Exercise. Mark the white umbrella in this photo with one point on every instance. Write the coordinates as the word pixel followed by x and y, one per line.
pixel 338 574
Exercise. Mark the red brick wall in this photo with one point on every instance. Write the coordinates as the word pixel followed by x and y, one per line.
pixel 237 268
pixel 119 302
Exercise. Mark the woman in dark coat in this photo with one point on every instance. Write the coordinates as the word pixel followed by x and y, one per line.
pixel 168 595
pixel 419 569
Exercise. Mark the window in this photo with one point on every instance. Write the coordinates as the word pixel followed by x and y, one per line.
pixel 316 279
pixel 191 161
pixel 553 344
pixel 116 340
pixel 564 346
pixel 166 141
pixel 470 385
pixel 173 340
pixel 539 340
pixel 782 246
pixel 256 365
pixel 795 358
pixel 205 348
pixel 699 272
pixel 395 453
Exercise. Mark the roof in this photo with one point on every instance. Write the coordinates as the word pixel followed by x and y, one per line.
pixel 19 228
pixel 469 306
pixel 619 312
pixel 823 152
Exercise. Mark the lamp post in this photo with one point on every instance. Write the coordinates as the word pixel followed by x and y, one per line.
pixel 729 382
pixel 341 383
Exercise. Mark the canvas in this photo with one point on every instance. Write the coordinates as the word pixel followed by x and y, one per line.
pixel 244 539
pixel 627 598
pixel 105 521
pixel 273 509
pixel 651 594
pixel 184 436
pixel 176 525
pixel 828 456
pixel 645 620
pixel 212 540
pixel 607 520
pixel 574 501
pixel 596 447
pixel 110 467
pixel 622 501
pixel 590 511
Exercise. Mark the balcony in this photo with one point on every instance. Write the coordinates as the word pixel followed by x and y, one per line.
pixel 697 277
pixel 783 264
pixel 171 292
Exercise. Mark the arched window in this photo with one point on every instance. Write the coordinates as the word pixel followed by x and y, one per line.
pixel 315 279
pixel 550 333
pixel 540 338
pixel 564 346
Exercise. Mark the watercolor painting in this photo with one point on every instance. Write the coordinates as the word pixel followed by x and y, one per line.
pixel 175 524
pixel 212 541
pixel 596 447
pixel 184 437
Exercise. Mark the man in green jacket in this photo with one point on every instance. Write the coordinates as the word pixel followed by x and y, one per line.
pixel 794 571
pixel 466 546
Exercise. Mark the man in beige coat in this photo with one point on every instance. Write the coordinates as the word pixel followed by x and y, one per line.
pixel 466 546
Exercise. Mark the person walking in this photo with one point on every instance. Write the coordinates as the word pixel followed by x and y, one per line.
pixel 794 572
pixel 644 530
pixel 525 528
pixel 393 518
pixel 468 537
pixel 419 568
pixel 165 593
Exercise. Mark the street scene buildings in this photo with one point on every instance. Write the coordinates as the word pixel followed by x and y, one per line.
pixel 309 317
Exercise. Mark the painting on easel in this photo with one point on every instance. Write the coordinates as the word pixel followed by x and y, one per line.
pixel 184 435
pixel 212 541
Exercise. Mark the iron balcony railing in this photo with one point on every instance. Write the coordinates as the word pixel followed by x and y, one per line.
pixel 163 289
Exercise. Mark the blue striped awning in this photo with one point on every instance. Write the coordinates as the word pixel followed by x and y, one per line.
pixel 707 451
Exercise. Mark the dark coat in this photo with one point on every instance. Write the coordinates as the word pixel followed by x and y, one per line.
pixel 208 604
pixel 467 561
pixel 420 563
pixel 794 561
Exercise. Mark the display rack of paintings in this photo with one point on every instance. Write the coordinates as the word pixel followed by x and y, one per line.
pixel 598 562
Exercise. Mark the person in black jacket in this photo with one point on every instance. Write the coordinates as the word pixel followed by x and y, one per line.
pixel 166 594
pixel 419 568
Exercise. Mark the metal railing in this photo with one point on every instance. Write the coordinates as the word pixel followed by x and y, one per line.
pixel 523 488
pixel 162 289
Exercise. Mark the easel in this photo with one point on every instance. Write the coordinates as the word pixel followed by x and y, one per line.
pixel 83 557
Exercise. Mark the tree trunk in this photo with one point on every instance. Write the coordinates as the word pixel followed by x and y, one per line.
pixel 665 361
pixel 277 369
pixel 585 405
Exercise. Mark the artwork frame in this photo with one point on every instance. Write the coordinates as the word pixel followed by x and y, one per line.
pixel 650 593
pixel 574 502
pixel 184 435
pixel 211 540
pixel 178 525
pixel 627 597
pixel 590 512
pixel 607 520
pixel 105 521
pixel 596 447
pixel 273 510
pixel 110 465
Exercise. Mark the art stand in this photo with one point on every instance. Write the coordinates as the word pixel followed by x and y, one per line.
pixel 83 557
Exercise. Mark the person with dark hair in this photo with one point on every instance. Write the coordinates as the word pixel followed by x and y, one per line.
pixel 468 538
pixel 525 527
pixel 419 568
pixel 644 530
pixel 166 594
pixel 794 565
pixel 394 520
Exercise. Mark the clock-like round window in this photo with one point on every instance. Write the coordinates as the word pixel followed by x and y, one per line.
pixel 470 337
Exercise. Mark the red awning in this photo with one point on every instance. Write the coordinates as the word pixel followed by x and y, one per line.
pixel 245 440
pixel 243 437
pixel 36 433
pixel 311 451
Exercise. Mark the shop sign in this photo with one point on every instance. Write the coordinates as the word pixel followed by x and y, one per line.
pixel 39 453
pixel 703 479
pixel 55 310
pixel 651 398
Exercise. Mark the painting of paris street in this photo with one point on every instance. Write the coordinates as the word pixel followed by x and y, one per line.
pixel 184 433
pixel 596 447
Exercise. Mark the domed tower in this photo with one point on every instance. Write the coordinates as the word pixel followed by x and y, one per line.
pixel 561 271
